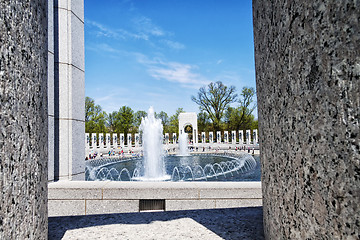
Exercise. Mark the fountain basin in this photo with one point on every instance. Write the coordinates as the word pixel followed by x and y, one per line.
pixel 196 167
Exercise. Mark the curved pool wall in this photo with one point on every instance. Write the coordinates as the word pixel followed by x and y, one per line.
pixel 234 166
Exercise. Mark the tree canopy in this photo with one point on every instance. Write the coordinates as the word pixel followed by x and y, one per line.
pixel 215 113
pixel 95 117
pixel 139 115
pixel 241 117
pixel 214 100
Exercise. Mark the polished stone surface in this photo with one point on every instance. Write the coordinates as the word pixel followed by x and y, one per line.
pixel 69 90
pixel 235 223
pixel 308 87
pixel 23 119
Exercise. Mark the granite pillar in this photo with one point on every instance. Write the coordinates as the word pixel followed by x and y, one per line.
pixel 24 119
pixel 69 90
pixel 308 87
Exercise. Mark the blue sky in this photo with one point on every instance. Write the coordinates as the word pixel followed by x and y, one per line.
pixel 142 53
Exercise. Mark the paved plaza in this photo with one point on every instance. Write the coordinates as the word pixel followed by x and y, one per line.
pixel 235 223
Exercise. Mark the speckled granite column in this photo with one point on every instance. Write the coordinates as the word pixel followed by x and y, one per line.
pixel 307 56
pixel 23 119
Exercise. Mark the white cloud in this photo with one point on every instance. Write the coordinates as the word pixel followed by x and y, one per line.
pixel 219 61
pixel 181 73
pixel 145 25
pixel 144 30
pixel 107 48
pixel 173 44
pixel 104 31
pixel 178 73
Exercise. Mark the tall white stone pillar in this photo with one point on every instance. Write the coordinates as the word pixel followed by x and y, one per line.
pixel 195 136
pixel 218 137
pixel 129 140
pixel 51 91
pixel 248 136
pixel 94 141
pixel 226 137
pixel 108 141
pixel 174 138
pixel 115 140
pixel 122 140
pixel 255 136
pixel 101 141
pixel 233 137
pixel 69 90
pixel 137 139
pixel 87 143
pixel 211 137
pixel 241 137
pixel 203 137
pixel 166 138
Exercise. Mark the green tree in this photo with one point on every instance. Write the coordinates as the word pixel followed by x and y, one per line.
pixel 246 101
pixel 214 100
pixel 95 117
pixel 241 117
pixel 174 121
pixel 235 120
pixel 164 119
pixel 203 122
pixel 112 121
pixel 138 117
pixel 125 121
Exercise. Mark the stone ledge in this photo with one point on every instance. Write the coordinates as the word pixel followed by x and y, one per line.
pixel 68 198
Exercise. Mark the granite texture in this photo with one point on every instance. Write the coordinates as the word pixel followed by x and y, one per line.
pixel 23 118
pixel 307 57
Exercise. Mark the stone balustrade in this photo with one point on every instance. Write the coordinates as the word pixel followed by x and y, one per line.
pixel 113 140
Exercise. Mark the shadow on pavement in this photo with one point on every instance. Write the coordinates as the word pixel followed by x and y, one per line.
pixel 233 223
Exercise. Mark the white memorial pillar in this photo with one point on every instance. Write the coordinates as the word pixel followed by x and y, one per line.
pixel 122 140
pixel 137 139
pixel 174 138
pixel 101 141
pixel 233 137
pixel 108 141
pixel 87 142
pixel 248 136
pixel 226 137
pixel 129 139
pixel 93 141
pixel 68 88
pixel 166 138
pixel 115 141
pixel 218 136
pixel 203 137
pixel 211 137
pixel 195 136
pixel 241 136
pixel 255 136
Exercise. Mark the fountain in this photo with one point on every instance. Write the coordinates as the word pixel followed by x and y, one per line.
pixel 152 129
pixel 183 144
pixel 154 166
pixel 238 166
